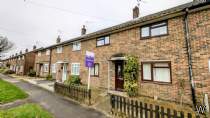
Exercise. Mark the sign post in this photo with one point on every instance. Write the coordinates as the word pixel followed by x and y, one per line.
pixel 89 62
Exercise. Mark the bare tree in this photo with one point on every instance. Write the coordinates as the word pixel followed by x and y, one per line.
pixel 5 45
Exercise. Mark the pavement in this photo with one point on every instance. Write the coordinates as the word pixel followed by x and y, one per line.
pixel 41 82
pixel 55 104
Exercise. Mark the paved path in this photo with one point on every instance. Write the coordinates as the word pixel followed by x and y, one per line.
pixel 55 104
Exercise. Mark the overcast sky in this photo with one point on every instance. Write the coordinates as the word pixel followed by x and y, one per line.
pixel 39 22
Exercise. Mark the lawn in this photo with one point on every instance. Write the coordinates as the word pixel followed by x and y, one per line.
pixel 10 92
pixel 25 111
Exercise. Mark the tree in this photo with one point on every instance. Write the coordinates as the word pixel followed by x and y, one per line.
pixel 5 44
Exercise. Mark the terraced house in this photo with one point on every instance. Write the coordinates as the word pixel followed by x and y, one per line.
pixel 21 63
pixel 171 46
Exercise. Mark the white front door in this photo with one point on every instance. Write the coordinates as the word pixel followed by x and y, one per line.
pixel 64 75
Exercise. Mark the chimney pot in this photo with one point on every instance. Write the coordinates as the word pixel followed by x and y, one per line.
pixel 135 12
pixel 26 50
pixel 83 31
pixel 34 47
pixel 58 40
pixel 20 52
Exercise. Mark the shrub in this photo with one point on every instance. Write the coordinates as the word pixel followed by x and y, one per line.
pixel 32 73
pixel 49 77
pixel 131 70
pixel 9 72
pixel 73 80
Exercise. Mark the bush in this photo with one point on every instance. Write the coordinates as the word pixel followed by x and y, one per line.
pixel 32 73
pixel 73 80
pixel 9 72
pixel 131 76
pixel 49 77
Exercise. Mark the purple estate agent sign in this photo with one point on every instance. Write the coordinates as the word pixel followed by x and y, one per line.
pixel 89 59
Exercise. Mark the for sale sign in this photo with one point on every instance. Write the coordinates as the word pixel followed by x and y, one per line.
pixel 89 59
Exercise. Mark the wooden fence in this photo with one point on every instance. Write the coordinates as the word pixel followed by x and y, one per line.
pixel 77 93
pixel 124 107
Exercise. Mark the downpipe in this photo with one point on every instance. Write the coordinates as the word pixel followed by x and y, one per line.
pixel 189 54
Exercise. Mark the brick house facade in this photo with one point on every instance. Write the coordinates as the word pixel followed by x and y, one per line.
pixel 181 46
pixel 21 63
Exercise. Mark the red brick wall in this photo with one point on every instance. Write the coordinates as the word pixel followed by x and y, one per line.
pixel 199 24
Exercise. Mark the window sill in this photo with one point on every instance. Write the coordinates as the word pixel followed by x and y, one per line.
pixel 149 37
pixel 155 82
pixel 102 45
pixel 94 75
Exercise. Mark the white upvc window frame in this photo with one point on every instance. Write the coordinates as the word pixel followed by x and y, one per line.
pixel 48 52
pixel 74 67
pixel 76 46
pixel 39 54
pixel 59 49
pixel 53 68
pixel 46 67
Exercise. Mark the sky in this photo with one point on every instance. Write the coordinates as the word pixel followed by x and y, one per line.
pixel 39 22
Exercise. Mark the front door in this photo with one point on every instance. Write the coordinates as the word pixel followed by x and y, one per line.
pixel 119 81
pixel 64 75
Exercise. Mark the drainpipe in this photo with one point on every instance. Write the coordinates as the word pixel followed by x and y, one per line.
pixel 50 61
pixel 189 54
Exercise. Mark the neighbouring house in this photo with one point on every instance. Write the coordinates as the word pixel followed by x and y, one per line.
pixel 171 46
pixel 21 63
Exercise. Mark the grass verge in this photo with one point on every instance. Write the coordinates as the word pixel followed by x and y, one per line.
pixel 10 92
pixel 25 111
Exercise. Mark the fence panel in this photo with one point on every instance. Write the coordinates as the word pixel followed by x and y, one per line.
pixel 135 109
pixel 74 92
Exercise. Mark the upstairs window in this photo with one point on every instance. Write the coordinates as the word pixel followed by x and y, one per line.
pixel 154 30
pixel 103 41
pixel 59 49
pixel 39 54
pixel 76 46
pixel 95 70
pixel 156 72
pixel 48 52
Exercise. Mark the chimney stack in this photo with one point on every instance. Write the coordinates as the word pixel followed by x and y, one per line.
pixel 83 30
pixel 58 40
pixel 20 52
pixel 26 50
pixel 34 47
pixel 135 12
pixel 16 54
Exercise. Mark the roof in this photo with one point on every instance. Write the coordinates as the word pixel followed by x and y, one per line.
pixel 133 22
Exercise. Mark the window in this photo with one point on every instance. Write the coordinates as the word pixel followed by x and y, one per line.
pixel 75 67
pixel 48 52
pixel 156 71
pixel 76 46
pixel 154 30
pixel 95 70
pixel 59 49
pixel 39 54
pixel 46 67
pixel 19 58
pixel 53 68
pixel 103 41
pixel 23 58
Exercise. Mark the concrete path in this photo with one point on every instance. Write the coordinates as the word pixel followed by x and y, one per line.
pixel 55 104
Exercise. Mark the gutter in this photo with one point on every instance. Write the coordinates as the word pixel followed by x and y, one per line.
pixel 189 55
